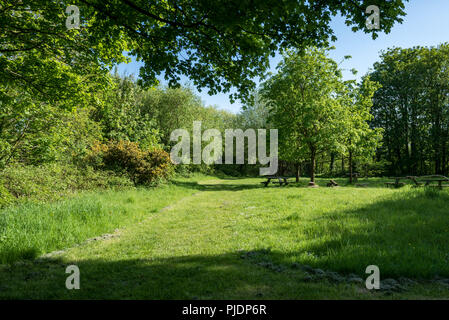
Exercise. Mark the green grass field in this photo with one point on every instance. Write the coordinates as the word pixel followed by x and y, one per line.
pixel 210 238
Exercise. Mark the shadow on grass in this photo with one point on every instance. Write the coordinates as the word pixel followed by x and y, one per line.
pixel 406 235
pixel 362 183
pixel 258 274
pixel 217 186
pixel 225 276
pixel 15 254
pixel 257 184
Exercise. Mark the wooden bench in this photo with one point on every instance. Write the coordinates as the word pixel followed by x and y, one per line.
pixel 435 181
pixel 281 180
pixel 332 183
pixel 430 181
pixel 415 180
pixel 396 182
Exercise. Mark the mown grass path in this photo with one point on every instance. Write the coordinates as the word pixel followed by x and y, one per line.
pixel 233 239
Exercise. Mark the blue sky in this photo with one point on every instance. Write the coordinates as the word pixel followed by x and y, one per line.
pixel 426 24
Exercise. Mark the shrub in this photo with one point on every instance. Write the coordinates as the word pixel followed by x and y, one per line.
pixel 143 167
pixel 53 181
pixel 5 196
pixel 160 167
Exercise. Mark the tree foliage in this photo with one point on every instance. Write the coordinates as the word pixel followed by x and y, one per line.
pixel 360 140
pixel 121 111
pixel 303 106
pixel 217 45
pixel 316 112
pixel 412 107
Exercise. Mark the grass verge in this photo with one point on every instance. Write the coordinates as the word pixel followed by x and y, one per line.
pixel 31 229
pixel 237 240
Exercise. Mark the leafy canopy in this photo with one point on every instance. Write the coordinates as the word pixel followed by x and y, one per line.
pixel 316 111
pixel 217 44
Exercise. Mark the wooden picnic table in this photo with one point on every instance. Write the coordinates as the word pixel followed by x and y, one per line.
pixel 396 182
pixel 415 180
pixel 438 179
pixel 282 180
pixel 419 181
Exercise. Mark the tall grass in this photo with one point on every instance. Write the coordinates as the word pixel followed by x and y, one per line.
pixel 53 181
pixel 31 229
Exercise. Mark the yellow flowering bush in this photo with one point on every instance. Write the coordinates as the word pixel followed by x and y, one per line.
pixel 144 167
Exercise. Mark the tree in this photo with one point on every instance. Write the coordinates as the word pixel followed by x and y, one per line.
pixel 360 140
pixel 40 56
pixel 412 108
pixel 255 114
pixel 121 111
pixel 171 108
pixel 34 132
pixel 437 88
pixel 306 108
pixel 216 44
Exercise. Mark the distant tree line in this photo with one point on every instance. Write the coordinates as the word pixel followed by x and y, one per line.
pixel 394 122
pixel 33 132
pixel 412 107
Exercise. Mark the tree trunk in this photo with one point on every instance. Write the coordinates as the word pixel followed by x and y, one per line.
pixel 342 164
pixel 350 166
pixel 331 165
pixel 312 164
pixel 297 171
pixel 444 158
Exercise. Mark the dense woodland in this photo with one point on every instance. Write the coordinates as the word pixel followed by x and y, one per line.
pixel 409 116
pixel 412 107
